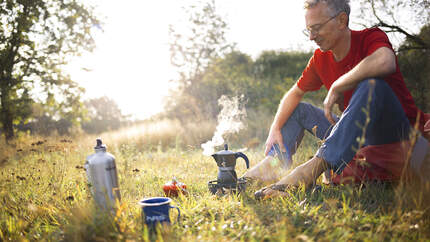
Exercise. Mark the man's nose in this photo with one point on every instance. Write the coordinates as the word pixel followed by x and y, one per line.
pixel 312 36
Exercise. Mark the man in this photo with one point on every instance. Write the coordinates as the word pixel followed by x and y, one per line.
pixel 360 70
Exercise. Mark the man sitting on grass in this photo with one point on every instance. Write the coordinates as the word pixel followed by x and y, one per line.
pixel 360 70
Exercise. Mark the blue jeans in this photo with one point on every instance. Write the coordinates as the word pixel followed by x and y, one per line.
pixel 387 124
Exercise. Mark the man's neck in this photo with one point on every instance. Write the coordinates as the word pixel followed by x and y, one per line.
pixel 343 46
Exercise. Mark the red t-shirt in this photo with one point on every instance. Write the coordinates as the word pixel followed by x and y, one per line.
pixel 322 69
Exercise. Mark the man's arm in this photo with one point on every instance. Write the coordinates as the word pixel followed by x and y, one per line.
pixel 380 63
pixel 288 103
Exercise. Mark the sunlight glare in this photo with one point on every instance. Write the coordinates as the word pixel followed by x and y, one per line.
pixel 131 63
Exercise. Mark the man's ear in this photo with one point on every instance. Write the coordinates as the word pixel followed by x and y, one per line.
pixel 343 19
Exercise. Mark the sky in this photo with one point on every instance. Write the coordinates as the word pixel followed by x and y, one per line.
pixel 131 63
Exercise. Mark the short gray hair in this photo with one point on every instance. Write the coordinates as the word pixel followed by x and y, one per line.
pixel 335 6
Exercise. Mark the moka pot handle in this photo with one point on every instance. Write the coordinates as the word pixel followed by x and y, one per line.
pixel 242 155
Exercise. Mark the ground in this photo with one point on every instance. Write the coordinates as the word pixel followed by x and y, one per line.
pixel 44 196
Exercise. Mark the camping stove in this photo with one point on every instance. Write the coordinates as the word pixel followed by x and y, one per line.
pixel 216 187
pixel 227 177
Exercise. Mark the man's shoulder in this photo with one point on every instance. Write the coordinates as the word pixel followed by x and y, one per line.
pixel 369 40
pixel 374 31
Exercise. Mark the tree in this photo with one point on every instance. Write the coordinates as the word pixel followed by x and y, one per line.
pixel 54 117
pixel 231 75
pixel 211 67
pixel 103 115
pixel 276 72
pixel 415 67
pixel 36 39
pixel 402 17
pixel 408 19
pixel 192 50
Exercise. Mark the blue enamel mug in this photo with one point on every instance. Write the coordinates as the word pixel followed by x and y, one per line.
pixel 156 210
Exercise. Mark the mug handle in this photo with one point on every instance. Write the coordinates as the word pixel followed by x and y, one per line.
pixel 179 212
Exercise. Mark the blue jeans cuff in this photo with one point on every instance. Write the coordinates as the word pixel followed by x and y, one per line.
pixel 335 166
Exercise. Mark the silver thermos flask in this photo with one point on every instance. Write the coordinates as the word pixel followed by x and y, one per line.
pixel 102 176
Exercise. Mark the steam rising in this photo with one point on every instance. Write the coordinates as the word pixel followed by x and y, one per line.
pixel 229 121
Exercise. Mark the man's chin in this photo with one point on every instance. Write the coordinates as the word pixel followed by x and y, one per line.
pixel 322 48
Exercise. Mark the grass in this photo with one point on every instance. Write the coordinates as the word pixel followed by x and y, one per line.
pixel 44 196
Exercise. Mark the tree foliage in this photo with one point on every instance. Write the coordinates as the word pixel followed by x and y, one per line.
pixel 36 39
pixel 276 72
pixel 50 116
pixel 415 67
pixel 410 20
pixel 103 115
pixel 192 49
pixel 403 17
pixel 215 68
pixel 262 82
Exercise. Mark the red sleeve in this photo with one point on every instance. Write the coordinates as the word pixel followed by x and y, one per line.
pixel 310 81
pixel 375 39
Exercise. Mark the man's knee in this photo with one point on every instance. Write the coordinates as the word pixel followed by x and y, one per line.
pixel 374 84
pixel 302 109
pixel 304 105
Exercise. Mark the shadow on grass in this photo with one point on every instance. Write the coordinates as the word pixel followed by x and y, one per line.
pixel 360 207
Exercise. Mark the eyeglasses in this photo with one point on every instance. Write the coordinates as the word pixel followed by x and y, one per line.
pixel 314 29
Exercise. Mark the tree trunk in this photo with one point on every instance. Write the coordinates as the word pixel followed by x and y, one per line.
pixel 6 114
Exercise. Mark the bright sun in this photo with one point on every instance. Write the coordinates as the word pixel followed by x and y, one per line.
pixel 131 63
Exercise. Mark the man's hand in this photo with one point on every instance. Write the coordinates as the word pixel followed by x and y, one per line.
pixel 288 103
pixel 332 97
pixel 381 63
pixel 275 137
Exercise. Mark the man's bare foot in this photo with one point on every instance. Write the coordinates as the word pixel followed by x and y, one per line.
pixel 269 170
pixel 272 191
pixel 305 174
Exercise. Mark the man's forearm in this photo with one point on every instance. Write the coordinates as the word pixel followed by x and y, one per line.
pixel 379 64
pixel 286 107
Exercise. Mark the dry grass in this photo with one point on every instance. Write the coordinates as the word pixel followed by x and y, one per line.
pixel 44 195
pixel 164 134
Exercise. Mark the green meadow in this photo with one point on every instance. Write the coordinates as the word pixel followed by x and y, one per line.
pixel 44 196
pixel 66 65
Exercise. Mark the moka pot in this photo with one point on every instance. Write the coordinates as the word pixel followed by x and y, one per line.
pixel 226 161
